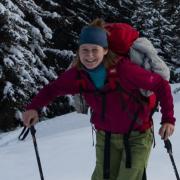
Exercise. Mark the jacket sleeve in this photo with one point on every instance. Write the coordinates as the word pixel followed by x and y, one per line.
pixel 137 77
pixel 64 84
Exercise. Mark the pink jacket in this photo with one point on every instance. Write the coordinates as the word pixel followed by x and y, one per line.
pixel 120 108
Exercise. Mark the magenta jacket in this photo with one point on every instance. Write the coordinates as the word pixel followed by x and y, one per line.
pixel 120 108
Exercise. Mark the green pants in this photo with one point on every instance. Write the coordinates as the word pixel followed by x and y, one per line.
pixel 140 144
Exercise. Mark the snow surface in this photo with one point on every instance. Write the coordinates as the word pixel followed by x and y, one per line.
pixel 66 151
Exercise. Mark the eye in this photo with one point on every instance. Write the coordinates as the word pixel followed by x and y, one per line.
pixel 95 50
pixel 84 50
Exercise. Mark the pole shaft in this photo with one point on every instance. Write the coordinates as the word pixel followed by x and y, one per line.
pixel 37 153
pixel 174 166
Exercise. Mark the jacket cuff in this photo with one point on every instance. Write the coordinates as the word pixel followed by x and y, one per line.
pixel 171 121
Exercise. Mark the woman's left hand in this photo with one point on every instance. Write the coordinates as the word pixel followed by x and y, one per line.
pixel 166 130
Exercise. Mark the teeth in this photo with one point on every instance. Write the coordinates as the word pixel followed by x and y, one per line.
pixel 90 61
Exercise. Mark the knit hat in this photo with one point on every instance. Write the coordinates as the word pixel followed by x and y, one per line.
pixel 93 35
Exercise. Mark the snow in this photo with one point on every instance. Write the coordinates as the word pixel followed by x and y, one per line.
pixel 47 31
pixel 177 71
pixel 11 6
pixel 26 75
pixel 8 89
pixel 66 53
pixel 66 151
pixel 52 3
pixel 15 51
pixel 1 71
pixel 100 3
pixel 8 62
pixel 25 48
pixel 35 32
pixel 23 54
pixel 2 9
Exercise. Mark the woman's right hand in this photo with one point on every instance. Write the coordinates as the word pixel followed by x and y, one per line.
pixel 30 117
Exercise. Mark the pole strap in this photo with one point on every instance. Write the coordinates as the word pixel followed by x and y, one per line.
pixel 23 133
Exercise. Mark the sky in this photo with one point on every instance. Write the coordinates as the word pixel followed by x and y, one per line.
pixel 66 150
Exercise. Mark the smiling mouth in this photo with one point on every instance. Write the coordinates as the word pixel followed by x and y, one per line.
pixel 92 61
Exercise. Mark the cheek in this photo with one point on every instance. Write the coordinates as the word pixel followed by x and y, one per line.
pixel 81 57
pixel 100 57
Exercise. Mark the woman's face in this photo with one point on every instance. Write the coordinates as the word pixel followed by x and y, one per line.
pixel 91 55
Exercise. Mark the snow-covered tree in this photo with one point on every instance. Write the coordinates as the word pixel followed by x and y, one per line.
pixel 155 20
pixel 24 65
pixel 38 40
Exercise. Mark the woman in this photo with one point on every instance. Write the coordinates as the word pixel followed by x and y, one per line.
pixel 110 85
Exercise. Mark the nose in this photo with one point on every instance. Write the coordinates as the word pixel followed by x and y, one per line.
pixel 90 54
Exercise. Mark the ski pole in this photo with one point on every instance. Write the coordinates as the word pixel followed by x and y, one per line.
pixel 168 146
pixel 22 136
pixel 33 132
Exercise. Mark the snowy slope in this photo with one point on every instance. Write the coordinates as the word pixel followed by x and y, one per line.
pixel 65 146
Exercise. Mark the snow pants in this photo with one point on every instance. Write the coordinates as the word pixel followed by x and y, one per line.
pixel 140 144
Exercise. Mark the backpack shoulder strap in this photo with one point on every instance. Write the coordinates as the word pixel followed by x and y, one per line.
pixel 81 83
